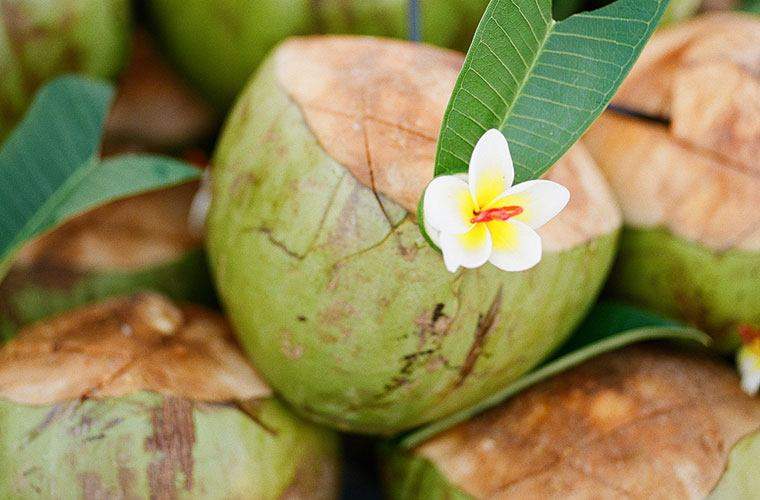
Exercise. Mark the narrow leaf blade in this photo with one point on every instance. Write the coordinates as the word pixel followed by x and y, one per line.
pixel 121 177
pixel 50 170
pixel 540 82
pixel 607 328
pixel 59 134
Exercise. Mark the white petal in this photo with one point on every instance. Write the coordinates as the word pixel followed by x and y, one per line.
pixel 447 205
pixel 491 170
pixel 516 247
pixel 433 234
pixel 541 201
pixel 468 250
pixel 749 369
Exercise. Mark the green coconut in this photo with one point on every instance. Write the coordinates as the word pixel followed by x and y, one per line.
pixel 40 39
pixel 139 398
pixel 650 421
pixel 318 259
pixel 218 45
pixel 689 189
pixel 140 243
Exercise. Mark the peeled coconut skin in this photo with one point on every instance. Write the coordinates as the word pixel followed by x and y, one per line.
pixel 219 44
pixel 690 189
pixel 140 243
pixel 341 304
pixel 138 398
pixel 41 39
pixel 650 421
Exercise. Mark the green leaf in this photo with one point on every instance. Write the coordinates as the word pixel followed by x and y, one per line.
pixel 608 327
pixel 752 6
pixel 50 170
pixel 540 82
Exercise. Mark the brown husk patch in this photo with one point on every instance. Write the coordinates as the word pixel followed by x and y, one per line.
pixel 125 345
pixel 648 421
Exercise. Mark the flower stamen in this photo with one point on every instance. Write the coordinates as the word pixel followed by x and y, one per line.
pixel 500 213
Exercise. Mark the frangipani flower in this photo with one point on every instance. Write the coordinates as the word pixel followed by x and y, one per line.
pixel 480 217
pixel 748 359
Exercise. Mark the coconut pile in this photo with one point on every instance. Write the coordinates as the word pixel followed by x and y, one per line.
pixel 276 330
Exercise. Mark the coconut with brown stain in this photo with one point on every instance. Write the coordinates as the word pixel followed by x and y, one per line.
pixel 650 421
pixel 319 261
pixel 690 188
pixel 137 397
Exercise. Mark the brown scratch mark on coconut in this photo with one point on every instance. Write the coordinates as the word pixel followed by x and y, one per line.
pixel 371 169
pixel 274 241
pixel 55 413
pixel 485 325
pixel 252 409
pixel 431 333
pixel 172 444
pixel 92 486
pixel 338 263
pixel 127 479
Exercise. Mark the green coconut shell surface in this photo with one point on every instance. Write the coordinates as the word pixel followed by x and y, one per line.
pixel 314 245
pixel 649 421
pixel 140 243
pixel 139 398
pixel 41 39
pixel 690 188
pixel 219 44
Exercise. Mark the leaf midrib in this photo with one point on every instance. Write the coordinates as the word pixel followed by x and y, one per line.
pixel 528 73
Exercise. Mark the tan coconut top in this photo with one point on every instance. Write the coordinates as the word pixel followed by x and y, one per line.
pixel 124 345
pixel 133 233
pixel 376 106
pixel 662 182
pixel 704 75
pixel 645 422
pixel 154 109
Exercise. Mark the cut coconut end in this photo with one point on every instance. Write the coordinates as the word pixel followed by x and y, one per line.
pixel 704 76
pixel 662 182
pixel 126 345
pixel 649 421
pixel 154 109
pixel 129 234
pixel 376 107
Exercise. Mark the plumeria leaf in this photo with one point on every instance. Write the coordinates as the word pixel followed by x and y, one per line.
pixel 540 82
pixel 50 169
pixel 608 327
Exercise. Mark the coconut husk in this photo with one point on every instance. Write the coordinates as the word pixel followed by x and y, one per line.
pixel 646 422
pixel 154 109
pixel 703 76
pixel 124 346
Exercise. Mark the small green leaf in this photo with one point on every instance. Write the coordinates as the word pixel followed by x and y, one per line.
pixel 50 170
pixel 541 82
pixel 608 327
